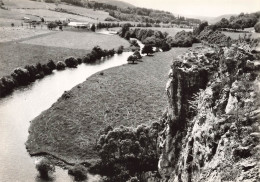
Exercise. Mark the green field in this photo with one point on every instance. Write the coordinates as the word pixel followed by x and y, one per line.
pixel 127 95
pixel 79 40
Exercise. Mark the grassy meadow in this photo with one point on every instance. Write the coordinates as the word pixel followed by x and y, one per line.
pixel 79 40
pixel 127 95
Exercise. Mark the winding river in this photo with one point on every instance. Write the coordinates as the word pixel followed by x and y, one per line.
pixel 24 104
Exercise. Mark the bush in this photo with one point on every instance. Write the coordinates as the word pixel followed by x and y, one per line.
pixel 79 172
pixel 182 39
pixel 165 47
pixel 111 52
pixel 71 62
pixel 52 25
pixel 86 59
pixel 21 76
pixel 201 27
pixel 46 70
pixel 79 60
pixel 60 65
pixel 131 59
pixel 32 71
pixel 120 50
pixel 257 27
pixel 44 166
pixel 147 49
pixel 51 65
pixel 93 28
pixel 97 52
pixel 7 84
pixel 137 55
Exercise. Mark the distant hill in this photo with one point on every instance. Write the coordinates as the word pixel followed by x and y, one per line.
pixel 119 4
pixel 217 19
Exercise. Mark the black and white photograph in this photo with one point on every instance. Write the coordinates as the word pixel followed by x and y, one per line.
pixel 129 90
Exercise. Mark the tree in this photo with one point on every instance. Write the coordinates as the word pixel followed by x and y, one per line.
pixel 52 25
pixel 137 54
pixel 165 47
pixel 93 27
pixel 147 49
pixel 44 166
pixel 132 59
pixel 71 62
pixel 120 50
pixel 79 172
pixel 257 27
pixel 60 65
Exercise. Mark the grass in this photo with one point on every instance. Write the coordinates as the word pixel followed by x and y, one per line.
pixel 17 33
pixel 126 95
pixel 26 54
pixel 79 40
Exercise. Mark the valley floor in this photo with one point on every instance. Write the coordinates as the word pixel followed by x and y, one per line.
pixel 128 95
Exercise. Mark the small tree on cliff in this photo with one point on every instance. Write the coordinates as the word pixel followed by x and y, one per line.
pixel 148 49
pixel 44 167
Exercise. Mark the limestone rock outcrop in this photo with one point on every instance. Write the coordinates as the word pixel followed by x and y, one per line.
pixel 211 128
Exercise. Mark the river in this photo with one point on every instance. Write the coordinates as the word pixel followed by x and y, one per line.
pixel 24 104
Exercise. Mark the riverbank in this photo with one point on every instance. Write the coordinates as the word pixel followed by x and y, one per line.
pixel 127 95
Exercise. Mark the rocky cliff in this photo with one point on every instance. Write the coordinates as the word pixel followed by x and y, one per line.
pixel 211 128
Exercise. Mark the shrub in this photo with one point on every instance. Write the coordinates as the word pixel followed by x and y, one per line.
pixel 147 49
pixel 132 59
pixel 12 24
pixel 7 84
pixel 79 172
pixel 201 27
pixel 44 166
pixel 32 71
pixel 165 47
pixel 40 73
pixel 79 60
pixel 60 65
pixel 111 52
pixel 87 58
pixel 21 76
pixel 71 62
pixel 46 70
pixel 97 52
pixel 120 50
pixel 134 43
pixel 257 27
pixel 93 28
pixel 52 25
pixel 51 65
pixel 137 55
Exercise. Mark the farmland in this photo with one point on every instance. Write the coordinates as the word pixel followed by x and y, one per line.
pixel 79 40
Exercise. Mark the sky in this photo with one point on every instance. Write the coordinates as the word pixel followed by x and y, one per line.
pixel 207 8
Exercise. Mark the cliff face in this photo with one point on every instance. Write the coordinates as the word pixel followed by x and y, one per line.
pixel 211 129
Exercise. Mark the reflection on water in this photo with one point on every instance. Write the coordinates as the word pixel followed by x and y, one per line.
pixel 24 104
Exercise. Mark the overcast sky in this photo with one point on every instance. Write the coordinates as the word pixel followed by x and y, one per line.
pixel 210 8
